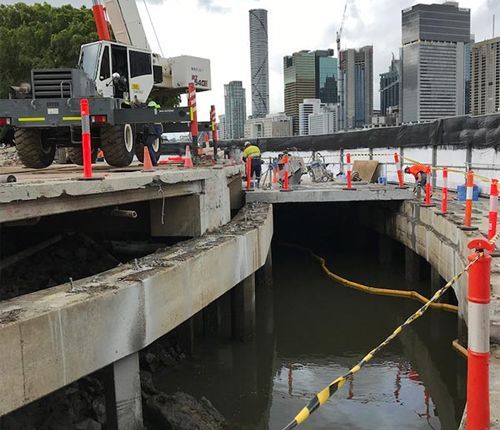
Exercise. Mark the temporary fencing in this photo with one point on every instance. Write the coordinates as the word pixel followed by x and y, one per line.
pixel 321 397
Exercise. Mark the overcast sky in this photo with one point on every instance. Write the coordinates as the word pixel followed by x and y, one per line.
pixel 218 29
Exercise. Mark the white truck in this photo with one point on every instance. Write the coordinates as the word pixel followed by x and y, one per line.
pixel 117 77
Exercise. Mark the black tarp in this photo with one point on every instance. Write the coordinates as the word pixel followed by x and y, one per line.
pixel 460 132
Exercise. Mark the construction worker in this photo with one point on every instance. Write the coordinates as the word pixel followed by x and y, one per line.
pixel 252 152
pixel 419 171
pixel 150 133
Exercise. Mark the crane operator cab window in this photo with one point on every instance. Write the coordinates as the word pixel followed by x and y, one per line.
pixel 119 71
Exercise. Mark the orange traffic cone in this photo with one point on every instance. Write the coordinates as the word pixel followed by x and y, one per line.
pixel 148 165
pixel 188 161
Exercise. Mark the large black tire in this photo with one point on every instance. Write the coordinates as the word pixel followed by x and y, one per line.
pixel 76 155
pixel 139 147
pixel 117 143
pixel 34 148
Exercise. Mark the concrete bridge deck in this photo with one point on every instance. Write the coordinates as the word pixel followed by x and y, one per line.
pixel 330 192
pixel 60 188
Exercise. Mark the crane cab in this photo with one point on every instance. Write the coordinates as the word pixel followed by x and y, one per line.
pixel 118 70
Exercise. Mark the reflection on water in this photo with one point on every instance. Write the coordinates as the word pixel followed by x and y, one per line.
pixel 310 331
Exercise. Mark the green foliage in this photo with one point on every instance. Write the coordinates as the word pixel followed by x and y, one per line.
pixel 40 36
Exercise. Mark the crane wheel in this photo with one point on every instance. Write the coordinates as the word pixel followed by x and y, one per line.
pixel 118 144
pixel 34 148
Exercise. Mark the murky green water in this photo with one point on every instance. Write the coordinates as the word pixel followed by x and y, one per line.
pixel 310 331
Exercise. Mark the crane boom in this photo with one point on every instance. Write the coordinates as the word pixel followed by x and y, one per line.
pixel 126 22
pixel 340 77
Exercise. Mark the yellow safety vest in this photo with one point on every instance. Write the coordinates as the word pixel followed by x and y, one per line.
pixel 251 151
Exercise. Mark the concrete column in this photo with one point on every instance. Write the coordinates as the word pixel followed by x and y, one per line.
pixel 264 276
pixel 186 336
pixel 224 316
pixel 210 319
pixel 436 283
pixel 198 324
pixel 123 394
pixel 385 248
pixel 243 304
pixel 412 265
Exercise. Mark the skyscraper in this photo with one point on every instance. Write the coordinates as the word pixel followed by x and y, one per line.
pixel 433 62
pixel 259 62
pixel 235 110
pixel 485 88
pixel 356 66
pixel 308 75
pixel 389 87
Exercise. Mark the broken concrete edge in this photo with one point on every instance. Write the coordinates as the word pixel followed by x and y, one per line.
pixel 113 182
pixel 441 242
pixel 54 337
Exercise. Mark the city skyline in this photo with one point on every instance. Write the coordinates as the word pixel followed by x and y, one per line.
pixel 367 22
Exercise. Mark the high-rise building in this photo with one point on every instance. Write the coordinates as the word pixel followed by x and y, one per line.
pixel 356 66
pixel 306 108
pixel 236 112
pixel 389 87
pixel 326 76
pixel 308 75
pixel 259 64
pixel 433 63
pixel 221 127
pixel 325 121
pixel 273 125
pixel 485 87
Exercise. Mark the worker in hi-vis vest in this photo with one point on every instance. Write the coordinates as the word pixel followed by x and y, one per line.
pixel 252 152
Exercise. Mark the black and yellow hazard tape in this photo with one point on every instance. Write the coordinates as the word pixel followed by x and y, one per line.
pixel 321 398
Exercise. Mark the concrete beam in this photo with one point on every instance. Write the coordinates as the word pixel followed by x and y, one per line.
pixel 330 193
pixel 55 336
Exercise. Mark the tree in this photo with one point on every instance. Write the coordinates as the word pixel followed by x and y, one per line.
pixel 40 36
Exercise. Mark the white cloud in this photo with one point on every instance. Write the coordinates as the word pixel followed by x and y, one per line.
pixel 218 29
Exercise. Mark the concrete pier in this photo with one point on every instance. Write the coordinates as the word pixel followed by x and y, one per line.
pixel 243 304
pixel 55 336
pixel 122 387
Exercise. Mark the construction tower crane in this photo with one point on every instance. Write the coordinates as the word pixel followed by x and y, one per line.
pixel 340 77
pixel 118 77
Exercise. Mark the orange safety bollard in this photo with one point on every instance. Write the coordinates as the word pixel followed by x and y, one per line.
pixel 444 195
pixel 468 202
pixel 478 396
pixel 399 170
pixel 493 215
pixel 349 172
pixel 86 144
pixel 286 173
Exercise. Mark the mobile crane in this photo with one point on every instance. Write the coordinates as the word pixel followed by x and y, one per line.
pixel 117 77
